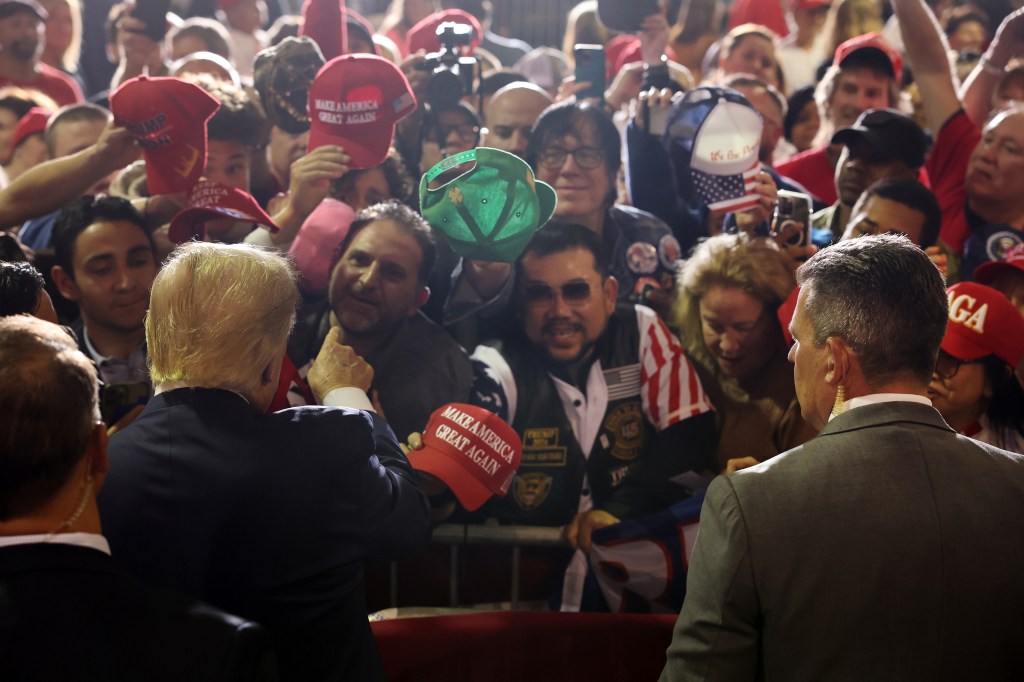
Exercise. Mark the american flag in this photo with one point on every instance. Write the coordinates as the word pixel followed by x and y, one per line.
pixel 728 193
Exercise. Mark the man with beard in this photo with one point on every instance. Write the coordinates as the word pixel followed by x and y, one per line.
pixel 376 290
pixel 21 43
pixel 610 411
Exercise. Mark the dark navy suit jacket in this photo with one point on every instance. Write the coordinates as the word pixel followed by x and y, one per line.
pixel 71 613
pixel 266 515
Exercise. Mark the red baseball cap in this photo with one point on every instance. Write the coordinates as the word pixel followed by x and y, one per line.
pixel 167 116
pixel 871 41
pixel 355 102
pixel 31 123
pixel 1012 260
pixel 423 36
pixel 472 450
pixel 982 321
pixel 210 200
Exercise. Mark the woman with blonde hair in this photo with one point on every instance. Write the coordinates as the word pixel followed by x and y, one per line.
pixel 729 292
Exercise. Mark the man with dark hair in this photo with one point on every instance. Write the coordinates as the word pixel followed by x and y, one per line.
pixel 58 580
pixel 608 407
pixel 862 539
pixel 22 291
pixel 882 143
pixel 897 206
pixel 21 46
pixel 378 286
pixel 106 263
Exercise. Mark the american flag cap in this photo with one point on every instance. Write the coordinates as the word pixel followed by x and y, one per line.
pixel 713 135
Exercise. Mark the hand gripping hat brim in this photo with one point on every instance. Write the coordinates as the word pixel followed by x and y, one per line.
pixel 490 211
pixel 355 102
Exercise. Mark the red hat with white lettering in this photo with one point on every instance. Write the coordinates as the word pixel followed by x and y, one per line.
pixel 210 200
pixel 355 102
pixel 982 321
pixel 472 450
pixel 167 117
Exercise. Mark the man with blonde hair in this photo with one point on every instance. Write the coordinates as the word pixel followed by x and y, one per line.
pixel 268 515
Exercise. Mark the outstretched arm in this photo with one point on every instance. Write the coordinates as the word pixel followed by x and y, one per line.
pixel 977 90
pixel 927 50
pixel 51 185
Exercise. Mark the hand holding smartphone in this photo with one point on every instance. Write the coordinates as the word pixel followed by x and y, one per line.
pixel 590 68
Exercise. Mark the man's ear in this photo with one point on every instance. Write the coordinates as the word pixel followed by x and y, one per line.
pixel 65 283
pixel 840 361
pixel 421 300
pixel 610 289
pixel 96 451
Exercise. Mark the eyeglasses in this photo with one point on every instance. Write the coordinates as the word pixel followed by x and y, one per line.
pixel 466 133
pixel 946 366
pixel 574 293
pixel 587 158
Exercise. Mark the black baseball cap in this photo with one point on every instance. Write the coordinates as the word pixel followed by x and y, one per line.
pixel 890 133
pixel 10 7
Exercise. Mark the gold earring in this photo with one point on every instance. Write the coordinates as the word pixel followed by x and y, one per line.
pixel 839 406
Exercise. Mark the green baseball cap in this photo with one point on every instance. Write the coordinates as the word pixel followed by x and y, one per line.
pixel 491 211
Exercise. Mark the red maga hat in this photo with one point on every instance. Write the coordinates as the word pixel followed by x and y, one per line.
pixel 355 102
pixel 211 200
pixel 472 450
pixel 982 321
pixel 167 116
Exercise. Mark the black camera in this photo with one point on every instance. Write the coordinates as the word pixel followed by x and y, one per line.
pixel 452 75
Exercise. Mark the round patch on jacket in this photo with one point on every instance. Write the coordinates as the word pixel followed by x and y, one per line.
pixel 531 490
pixel 669 252
pixel 642 258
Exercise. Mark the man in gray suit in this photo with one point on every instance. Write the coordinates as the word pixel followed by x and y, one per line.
pixel 888 547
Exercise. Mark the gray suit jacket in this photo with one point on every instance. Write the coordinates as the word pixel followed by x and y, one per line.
pixel 887 548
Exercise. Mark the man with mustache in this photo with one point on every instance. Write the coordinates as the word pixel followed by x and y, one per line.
pixel 610 411
pixel 377 288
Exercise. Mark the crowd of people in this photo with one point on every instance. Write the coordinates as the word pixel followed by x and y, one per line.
pixel 303 257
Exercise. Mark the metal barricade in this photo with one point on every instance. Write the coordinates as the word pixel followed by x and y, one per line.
pixel 515 537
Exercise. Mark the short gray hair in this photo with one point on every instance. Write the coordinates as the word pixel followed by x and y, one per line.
pixel 885 298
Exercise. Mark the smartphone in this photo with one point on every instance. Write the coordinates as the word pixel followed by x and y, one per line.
pixel 590 68
pixel 794 207
pixel 154 13
pixel 117 400
pixel 625 15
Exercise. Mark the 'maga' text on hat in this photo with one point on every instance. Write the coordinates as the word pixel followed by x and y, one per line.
pixel 346 113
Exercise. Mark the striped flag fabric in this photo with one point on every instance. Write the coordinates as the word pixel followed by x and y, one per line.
pixel 728 193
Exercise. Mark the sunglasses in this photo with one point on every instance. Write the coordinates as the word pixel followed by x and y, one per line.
pixel 574 293
pixel 946 366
